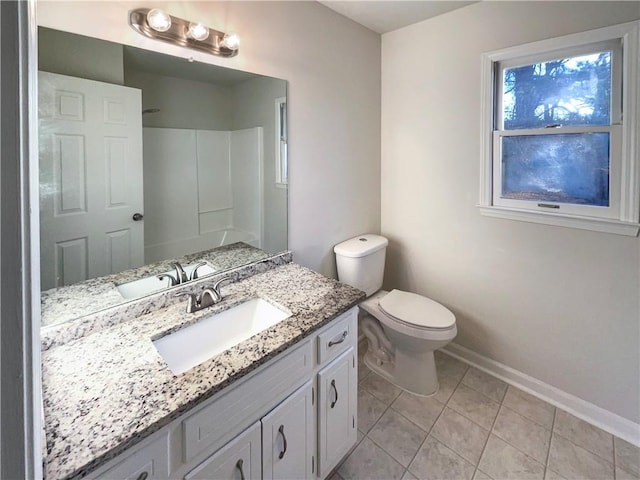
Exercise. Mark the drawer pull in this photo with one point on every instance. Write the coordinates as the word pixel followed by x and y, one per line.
pixel 239 467
pixel 340 340
pixel 333 384
pixel 143 476
pixel 284 439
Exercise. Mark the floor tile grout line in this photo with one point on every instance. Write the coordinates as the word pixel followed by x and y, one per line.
pixel 530 419
pixel 581 447
pixel 484 447
pixel 444 406
pixel 553 425
pixel 482 393
pixel 376 423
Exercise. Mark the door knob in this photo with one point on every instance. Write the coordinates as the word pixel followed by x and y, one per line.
pixel 137 217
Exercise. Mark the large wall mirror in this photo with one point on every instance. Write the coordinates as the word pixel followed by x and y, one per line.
pixel 146 160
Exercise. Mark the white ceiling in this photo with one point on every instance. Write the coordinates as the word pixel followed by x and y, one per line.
pixel 386 15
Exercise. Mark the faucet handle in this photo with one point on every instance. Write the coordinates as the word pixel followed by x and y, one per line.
pixel 194 272
pixel 208 297
pixel 216 286
pixel 192 301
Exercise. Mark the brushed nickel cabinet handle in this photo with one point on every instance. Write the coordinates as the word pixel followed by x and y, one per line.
pixel 340 340
pixel 333 384
pixel 284 438
pixel 239 467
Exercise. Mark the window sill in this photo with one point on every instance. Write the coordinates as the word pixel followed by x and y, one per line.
pixel 281 185
pixel 571 221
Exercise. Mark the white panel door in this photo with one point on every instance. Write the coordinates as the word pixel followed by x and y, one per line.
pixel 337 407
pixel 287 438
pixel 246 181
pixel 90 137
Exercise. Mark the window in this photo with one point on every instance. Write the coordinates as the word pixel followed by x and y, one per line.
pixel 560 120
pixel 282 174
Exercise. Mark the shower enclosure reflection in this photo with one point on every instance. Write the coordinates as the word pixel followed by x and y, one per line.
pixel 146 158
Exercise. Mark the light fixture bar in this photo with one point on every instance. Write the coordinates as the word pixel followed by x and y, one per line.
pixel 178 34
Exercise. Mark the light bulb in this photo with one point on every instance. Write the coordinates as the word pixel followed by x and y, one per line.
pixel 231 41
pixel 159 20
pixel 198 31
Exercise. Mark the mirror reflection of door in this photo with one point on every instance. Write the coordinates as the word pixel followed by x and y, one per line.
pixel 90 137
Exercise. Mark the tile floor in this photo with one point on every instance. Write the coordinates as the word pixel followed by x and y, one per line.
pixel 476 427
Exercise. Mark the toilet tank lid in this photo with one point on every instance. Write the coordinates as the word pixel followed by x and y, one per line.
pixel 361 245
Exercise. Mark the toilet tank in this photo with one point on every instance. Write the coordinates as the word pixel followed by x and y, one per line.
pixel 360 262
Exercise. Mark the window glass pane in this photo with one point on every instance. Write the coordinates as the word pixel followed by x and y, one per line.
pixel 569 91
pixel 562 168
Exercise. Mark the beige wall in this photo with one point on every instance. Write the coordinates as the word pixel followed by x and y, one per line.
pixel 332 66
pixel 559 304
pixel 68 54
pixel 182 103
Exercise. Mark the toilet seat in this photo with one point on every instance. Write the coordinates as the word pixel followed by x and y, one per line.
pixel 416 311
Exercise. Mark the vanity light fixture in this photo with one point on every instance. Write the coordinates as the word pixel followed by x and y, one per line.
pixel 156 24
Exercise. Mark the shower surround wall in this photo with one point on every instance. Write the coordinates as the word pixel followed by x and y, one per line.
pixel 202 188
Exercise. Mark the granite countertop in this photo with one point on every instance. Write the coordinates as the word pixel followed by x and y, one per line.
pixel 70 302
pixel 106 391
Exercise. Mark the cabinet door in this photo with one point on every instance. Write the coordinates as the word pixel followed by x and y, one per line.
pixel 287 438
pixel 239 459
pixel 148 463
pixel 337 410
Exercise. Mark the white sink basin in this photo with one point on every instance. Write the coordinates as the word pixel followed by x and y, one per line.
pixel 145 286
pixel 212 335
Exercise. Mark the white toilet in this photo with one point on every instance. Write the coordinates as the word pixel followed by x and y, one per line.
pixel 403 329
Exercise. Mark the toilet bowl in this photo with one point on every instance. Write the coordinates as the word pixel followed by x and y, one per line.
pixel 402 329
pixel 402 349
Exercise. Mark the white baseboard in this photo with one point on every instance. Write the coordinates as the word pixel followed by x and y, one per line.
pixel 604 419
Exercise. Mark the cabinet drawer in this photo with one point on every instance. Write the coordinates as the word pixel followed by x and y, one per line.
pixel 219 422
pixel 338 338
pixel 148 463
pixel 240 458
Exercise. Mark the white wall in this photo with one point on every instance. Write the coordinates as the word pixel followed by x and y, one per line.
pixel 332 66
pixel 254 104
pixel 558 304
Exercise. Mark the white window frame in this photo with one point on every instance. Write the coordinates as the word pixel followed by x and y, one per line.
pixel 623 214
pixel 281 144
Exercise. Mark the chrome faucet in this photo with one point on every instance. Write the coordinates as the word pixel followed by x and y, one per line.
pixel 209 296
pixel 181 275
pixel 194 272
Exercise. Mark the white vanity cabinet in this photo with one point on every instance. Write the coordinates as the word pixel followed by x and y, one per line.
pixel 292 418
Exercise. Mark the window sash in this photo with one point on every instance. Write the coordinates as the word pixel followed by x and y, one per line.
pixel 614 46
pixel 615 154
